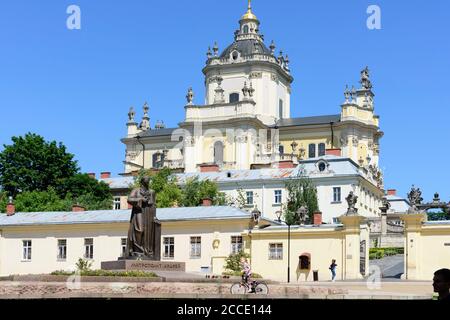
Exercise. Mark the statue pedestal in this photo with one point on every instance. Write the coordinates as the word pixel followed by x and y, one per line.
pixel 143 265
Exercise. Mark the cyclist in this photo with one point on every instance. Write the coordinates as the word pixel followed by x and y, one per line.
pixel 246 274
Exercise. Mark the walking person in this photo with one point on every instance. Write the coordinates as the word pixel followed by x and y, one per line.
pixel 332 268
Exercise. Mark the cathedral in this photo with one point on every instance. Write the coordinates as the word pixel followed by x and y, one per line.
pixel 246 120
pixel 244 137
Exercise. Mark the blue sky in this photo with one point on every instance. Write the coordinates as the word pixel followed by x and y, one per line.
pixel 76 86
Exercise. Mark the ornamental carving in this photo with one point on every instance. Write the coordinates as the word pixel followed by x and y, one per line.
pixel 255 75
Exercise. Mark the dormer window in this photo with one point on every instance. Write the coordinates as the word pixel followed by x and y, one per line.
pixel 234 55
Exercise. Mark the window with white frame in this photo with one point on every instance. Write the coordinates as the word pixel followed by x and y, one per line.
pixel 62 249
pixel 275 251
pixel 337 194
pixel 196 247
pixel 277 194
pixel 123 246
pixel 249 197
pixel 89 248
pixel 169 247
pixel 26 252
pixel 236 244
pixel 116 203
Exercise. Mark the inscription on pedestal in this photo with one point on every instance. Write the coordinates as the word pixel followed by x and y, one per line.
pixel 144 265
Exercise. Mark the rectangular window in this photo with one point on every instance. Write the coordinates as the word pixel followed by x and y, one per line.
pixel 249 195
pixel 312 150
pixel 321 149
pixel 275 251
pixel 26 253
pixel 62 249
pixel 169 247
pixel 277 197
pixel 196 247
pixel 337 194
pixel 116 203
pixel 236 244
pixel 89 248
pixel 123 246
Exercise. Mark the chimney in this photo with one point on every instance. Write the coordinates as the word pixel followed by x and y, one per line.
pixel 78 208
pixel 317 218
pixel 105 175
pixel 207 202
pixel 213 167
pixel 92 175
pixel 284 164
pixel 392 192
pixel 333 152
pixel 10 208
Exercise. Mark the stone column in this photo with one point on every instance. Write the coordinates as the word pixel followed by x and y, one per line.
pixel 351 250
pixel 383 223
pixel 413 228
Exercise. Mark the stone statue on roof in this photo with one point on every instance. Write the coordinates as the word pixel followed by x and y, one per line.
pixel 352 199
pixel 365 79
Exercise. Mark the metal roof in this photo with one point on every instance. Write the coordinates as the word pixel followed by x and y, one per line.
pixel 338 166
pixel 304 121
pixel 398 204
pixel 119 182
pixel 115 216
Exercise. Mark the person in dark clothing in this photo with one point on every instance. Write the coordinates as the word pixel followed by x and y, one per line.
pixel 441 284
pixel 332 268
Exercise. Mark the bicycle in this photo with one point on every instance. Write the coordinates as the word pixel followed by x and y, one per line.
pixel 244 287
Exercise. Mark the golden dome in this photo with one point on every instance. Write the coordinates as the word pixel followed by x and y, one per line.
pixel 249 15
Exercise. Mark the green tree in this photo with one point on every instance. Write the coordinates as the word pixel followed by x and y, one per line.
pixel 233 261
pixel 168 193
pixel 43 176
pixel 32 164
pixel 38 201
pixel 194 191
pixel 301 191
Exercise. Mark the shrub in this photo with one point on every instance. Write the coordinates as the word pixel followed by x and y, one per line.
pixel 83 265
pixel 107 273
pixel 233 262
pixel 239 273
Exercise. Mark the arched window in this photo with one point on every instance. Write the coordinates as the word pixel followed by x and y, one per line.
pixel 312 151
pixel 218 152
pixel 234 97
pixel 246 29
pixel 321 149
pixel 280 109
pixel 305 261
pixel 281 149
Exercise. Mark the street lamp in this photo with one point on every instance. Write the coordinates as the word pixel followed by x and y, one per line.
pixel 278 213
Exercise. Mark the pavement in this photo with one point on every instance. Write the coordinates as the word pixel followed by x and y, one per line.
pixel 391 267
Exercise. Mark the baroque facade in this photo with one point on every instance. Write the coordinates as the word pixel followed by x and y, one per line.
pixel 246 120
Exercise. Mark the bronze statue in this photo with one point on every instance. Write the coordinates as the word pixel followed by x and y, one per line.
pixel 144 235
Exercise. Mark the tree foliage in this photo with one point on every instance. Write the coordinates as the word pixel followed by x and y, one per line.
pixel 233 261
pixel 32 164
pixel 43 176
pixel 301 191
pixel 169 193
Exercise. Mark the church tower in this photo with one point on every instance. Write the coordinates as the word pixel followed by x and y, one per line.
pixel 249 72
